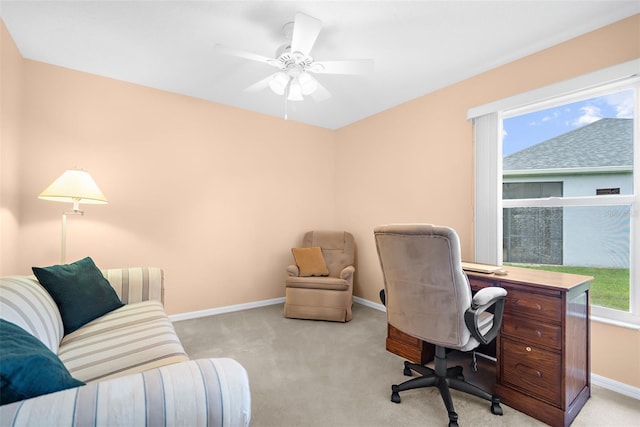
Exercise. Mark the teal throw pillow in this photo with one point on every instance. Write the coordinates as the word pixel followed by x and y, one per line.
pixel 80 291
pixel 27 367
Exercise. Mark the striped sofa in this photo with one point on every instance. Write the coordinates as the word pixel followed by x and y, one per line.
pixel 134 366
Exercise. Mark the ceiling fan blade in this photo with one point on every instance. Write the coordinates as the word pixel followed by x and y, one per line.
pixel 225 50
pixel 305 33
pixel 321 93
pixel 355 66
pixel 259 85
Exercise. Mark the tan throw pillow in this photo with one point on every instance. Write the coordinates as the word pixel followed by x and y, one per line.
pixel 310 261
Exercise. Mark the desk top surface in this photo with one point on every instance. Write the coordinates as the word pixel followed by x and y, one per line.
pixel 543 278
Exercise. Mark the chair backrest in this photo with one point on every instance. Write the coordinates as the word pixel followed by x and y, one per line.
pixel 338 248
pixel 426 291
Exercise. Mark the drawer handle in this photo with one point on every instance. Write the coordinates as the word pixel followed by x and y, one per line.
pixel 527 304
pixel 528 348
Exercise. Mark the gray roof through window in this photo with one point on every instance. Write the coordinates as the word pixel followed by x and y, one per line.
pixel 606 142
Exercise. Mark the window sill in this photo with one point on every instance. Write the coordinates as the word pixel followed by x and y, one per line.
pixel 619 323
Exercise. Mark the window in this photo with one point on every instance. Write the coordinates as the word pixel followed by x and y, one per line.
pixel 532 235
pixel 557 191
pixel 571 151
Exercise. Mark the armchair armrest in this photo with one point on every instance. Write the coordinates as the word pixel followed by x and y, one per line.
pixel 212 392
pixel 477 317
pixel 293 271
pixel 347 273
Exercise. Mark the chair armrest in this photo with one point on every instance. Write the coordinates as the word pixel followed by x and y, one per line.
pixel 347 273
pixel 212 392
pixel 486 298
pixel 293 271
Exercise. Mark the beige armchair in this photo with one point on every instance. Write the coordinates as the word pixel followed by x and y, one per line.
pixel 320 285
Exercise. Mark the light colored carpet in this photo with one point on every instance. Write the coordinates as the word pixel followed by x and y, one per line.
pixel 314 374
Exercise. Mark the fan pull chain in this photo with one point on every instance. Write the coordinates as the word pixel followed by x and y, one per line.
pixel 286 106
pixel 286 102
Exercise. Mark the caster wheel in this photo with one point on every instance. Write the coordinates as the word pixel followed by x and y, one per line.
pixel 395 395
pixel 495 406
pixel 453 419
pixel 407 369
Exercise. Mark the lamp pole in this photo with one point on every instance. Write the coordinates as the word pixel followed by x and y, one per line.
pixel 63 245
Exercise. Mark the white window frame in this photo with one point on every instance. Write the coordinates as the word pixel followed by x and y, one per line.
pixel 487 120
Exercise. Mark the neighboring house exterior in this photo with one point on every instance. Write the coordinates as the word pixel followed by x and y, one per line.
pixel 596 159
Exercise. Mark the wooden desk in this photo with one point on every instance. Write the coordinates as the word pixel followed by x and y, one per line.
pixel 543 350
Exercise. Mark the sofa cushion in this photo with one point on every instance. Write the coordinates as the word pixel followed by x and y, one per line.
pixel 27 367
pixel 133 338
pixel 27 304
pixel 80 290
pixel 310 261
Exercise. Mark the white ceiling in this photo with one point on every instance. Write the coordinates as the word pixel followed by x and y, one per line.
pixel 417 46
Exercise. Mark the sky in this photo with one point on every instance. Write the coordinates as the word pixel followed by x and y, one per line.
pixel 523 131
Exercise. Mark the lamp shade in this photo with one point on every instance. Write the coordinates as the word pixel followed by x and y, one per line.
pixel 74 186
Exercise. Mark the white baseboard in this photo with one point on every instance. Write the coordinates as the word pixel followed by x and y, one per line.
pixel 598 380
pixel 615 386
pixel 225 309
pixel 370 304
pixel 255 304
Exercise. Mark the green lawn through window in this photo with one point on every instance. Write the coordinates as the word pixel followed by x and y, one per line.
pixel 609 288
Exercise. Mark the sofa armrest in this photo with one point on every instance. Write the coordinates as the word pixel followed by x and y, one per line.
pixel 213 392
pixel 137 284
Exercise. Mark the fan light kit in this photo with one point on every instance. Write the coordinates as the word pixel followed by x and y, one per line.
pixel 294 79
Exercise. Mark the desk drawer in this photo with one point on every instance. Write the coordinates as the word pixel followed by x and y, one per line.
pixel 411 348
pixel 531 369
pixel 477 284
pixel 398 335
pixel 533 333
pixel 525 304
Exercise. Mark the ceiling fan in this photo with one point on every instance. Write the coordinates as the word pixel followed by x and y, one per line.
pixel 296 66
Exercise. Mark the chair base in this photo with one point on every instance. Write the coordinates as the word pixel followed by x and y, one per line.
pixel 444 378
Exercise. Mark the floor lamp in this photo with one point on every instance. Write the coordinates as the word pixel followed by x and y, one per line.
pixel 72 186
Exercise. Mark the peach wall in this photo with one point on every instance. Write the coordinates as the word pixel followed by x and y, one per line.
pixel 615 353
pixel 415 163
pixel 10 125
pixel 214 195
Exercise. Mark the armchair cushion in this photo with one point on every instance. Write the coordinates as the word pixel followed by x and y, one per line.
pixel 80 291
pixel 325 283
pixel 310 261
pixel 27 367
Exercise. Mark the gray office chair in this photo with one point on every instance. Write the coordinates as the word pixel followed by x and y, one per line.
pixel 427 295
